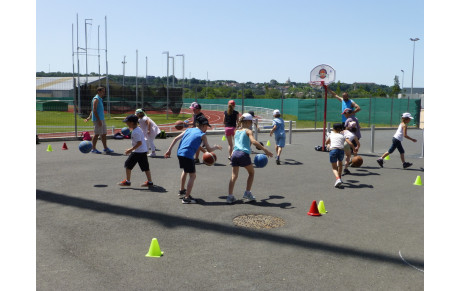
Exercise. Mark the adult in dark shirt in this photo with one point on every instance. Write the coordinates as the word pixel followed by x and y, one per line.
pixel 196 114
pixel 230 118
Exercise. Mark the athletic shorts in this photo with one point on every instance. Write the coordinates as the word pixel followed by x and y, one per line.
pixel 135 158
pixel 396 145
pixel 280 140
pixel 230 131
pixel 187 164
pixel 336 155
pixel 100 129
pixel 240 159
pixel 346 147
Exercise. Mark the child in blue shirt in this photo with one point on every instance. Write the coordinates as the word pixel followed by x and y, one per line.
pixel 190 142
pixel 280 135
pixel 240 157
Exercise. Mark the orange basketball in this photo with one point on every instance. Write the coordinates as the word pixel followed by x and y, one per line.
pixel 209 158
pixel 179 125
pixel 356 161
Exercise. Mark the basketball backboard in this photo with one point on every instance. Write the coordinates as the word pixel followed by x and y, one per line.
pixel 322 73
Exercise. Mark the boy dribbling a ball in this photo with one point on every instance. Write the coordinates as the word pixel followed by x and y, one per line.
pixel 137 154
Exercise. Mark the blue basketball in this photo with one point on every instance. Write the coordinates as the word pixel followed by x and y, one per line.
pixel 125 131
pixel 260 160
pixel 85 146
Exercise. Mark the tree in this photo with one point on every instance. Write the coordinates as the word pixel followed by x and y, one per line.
pixel 248 94
pixel 395 89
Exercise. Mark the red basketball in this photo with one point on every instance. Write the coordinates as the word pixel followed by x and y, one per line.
pixel 356 161
pixel 209 158
pixel 179 125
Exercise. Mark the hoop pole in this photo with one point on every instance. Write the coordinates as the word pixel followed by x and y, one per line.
pixel 325 111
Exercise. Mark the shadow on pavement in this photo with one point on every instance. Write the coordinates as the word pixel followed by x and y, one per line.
pixel 351 184
pixel 154 188
pixel 100 186
pixel 172 221
pixel 292 162
pixel 261 202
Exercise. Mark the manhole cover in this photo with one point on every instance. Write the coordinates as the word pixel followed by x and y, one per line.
pixel 258 221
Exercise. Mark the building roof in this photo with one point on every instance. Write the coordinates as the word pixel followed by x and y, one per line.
pixel 61 83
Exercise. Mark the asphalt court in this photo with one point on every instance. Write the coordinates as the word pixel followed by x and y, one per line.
pixel 93 234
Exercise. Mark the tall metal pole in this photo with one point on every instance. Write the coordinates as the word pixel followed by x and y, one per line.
pixel 402 82
pixel 174 76
pixel 73 82
pixel 167 82
pixel 136 79
pixel 413 61
pixel 98 56
pixel 107 89
pixel 183 72
pixel 78 72
pixel 146 65
pixel 124 62
pixel 86 51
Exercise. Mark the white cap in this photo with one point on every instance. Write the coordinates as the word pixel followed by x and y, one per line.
pixel 276 112
pixel 247 116
pixel 352 124
pixel 407 115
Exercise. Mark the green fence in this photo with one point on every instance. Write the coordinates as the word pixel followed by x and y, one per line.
pixel 378 111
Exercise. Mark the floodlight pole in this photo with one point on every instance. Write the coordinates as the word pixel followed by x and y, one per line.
pixel 413 59
pixel 167 82
pixel 174 76
pixel 136 78
pixel 402 82
pixel 325 111
pixel 78 72
pixel 124 62
pixel 183 72
pixel 98 56
pixel 86 51
pixel 107 89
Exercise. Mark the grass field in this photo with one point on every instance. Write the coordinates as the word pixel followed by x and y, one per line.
pixel 67 119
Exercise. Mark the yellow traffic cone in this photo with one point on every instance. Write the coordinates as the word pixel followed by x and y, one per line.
pixel 418 181
pixel 223 138
pixel 387 158
pixel 321 207
pixel 268 143
pixel 154 250
pixel 49 149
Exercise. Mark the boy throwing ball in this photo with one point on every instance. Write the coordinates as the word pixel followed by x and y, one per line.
pixel 137 154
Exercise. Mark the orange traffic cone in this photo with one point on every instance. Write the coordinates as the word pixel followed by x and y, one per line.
pixel 64 147
pixel 314 209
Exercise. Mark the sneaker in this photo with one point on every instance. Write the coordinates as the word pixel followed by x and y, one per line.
pixel 124 183
pixel 231 199
pixel 147 184
pixel 380 162
pixel 248 195
pixel 188 200
pixel 278 162
pixel 338 183
pixel 182 193
pixel 406 165
pixel 197 161
pixel 95 151
pixel 346 171
pixel 108 151
pixel 152 155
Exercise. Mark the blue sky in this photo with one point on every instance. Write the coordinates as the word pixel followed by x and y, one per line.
pixel 365 41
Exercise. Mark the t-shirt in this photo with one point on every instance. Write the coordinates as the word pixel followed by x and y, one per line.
pixel 348 134
pixel 190 142
pixel 399 135
pixel 242 141
pixel 195 117
pixel 144 125
pixel 136 136
pixel 279 122
pixel 337 140
pixel 346 104
pixel 99 109
pixel 358 128
pixel 230 120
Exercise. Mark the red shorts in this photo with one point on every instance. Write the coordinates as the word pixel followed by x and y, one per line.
pixel 230 131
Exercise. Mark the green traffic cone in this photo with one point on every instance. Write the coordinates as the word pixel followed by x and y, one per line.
pixel 154 250
pixel 418 181
pixel 49 149
pixel 321 207
pixel 223 138
pixel 268 143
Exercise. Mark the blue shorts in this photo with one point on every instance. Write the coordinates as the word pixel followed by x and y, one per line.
pixel 396 145
pixel 240 159
pixel 336 155
pixel 280 140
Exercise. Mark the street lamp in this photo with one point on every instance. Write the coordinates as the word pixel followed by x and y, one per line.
pixel 124 62
pixel 183 72
pixel 402 83
pixel 86 50
pixel 413 59
pixel 174 76
pixel 167 82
